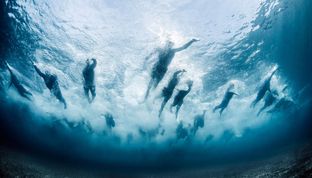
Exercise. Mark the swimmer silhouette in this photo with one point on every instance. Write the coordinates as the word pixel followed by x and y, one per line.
pixel 51 83
pixel 263 89
pixel 283 104
pixel 164 58
pixel 88 79
pixel 199 122
pixel 178 99
pixel 269 99
pixel 110 122
pixel 181 131
pixel 17 84
pixel 226 99
pixel 168 90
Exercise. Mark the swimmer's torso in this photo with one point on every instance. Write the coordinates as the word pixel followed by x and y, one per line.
pixel 164 59
pixel 228 96
pixel 50 81
pixel 88 75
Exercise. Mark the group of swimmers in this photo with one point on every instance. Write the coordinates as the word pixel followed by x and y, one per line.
pixel 51 82
pixel 164 57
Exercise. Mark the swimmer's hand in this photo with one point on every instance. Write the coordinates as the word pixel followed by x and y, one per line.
pixel 195 40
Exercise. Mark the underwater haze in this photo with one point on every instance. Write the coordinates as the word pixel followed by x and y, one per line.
pixel 240 44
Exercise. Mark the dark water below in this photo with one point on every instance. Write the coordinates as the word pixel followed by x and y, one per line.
pixel 239 45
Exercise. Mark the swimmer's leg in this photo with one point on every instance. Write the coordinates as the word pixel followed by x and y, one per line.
pixel 23 92
pixel 86 92
pixel 261 110
pixel 221 110
pixel 254 103
pixel 149 88
pixel 172 105
pixel 92 89
pixel 159 77
pixel 28 93
pixel 58 94
pixel 177 110
pixel 217 107
pixel 26 96
pixel 162 106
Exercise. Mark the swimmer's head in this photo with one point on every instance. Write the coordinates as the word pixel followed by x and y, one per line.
pixel 88 61
pixel 179 73
pixel 231 86
pixel 47 73
pixel 189 83
pixel 169 44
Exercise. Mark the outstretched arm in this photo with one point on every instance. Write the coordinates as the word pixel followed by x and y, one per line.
pixel 11 73
pixel 235 94
pixel 7 65
pixel 185 45
pixel 273 73
pixel 38 71
pixel 181 71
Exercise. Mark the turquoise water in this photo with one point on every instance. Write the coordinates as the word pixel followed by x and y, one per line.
pixel 241 43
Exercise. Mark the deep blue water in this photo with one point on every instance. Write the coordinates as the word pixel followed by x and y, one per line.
pixel 239 44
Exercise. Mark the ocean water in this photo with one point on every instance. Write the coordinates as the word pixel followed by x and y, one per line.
pixel 241 42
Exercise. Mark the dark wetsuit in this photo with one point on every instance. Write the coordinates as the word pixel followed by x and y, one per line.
pixel 168 90
pixel 110 122
pixel 283 104
pixel 160 68
pixel 181 132
pixel 225 101
pixel 52 84
pixel 89 84
pixel 199 122
pixel 178 99
pixel 268 101
pixel 19 87
pixel 264 88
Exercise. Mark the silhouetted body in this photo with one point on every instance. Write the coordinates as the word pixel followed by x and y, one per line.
pixel 269 99
pixel 17 84
pixel 199 122
pixel 168 90
pixel 284 104
pixel 181 132
pixel 88 79
pixel 263 89
pixel 164 59
pixel 51 82
pixel 225 101
pixel 178 99
pixel 110 122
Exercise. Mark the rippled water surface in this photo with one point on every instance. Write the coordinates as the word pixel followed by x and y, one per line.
pixel 240 42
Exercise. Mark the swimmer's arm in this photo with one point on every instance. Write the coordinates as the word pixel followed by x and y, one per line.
pixel 7 65
pixel 188 44
pixel 38 71
pixel 178 90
